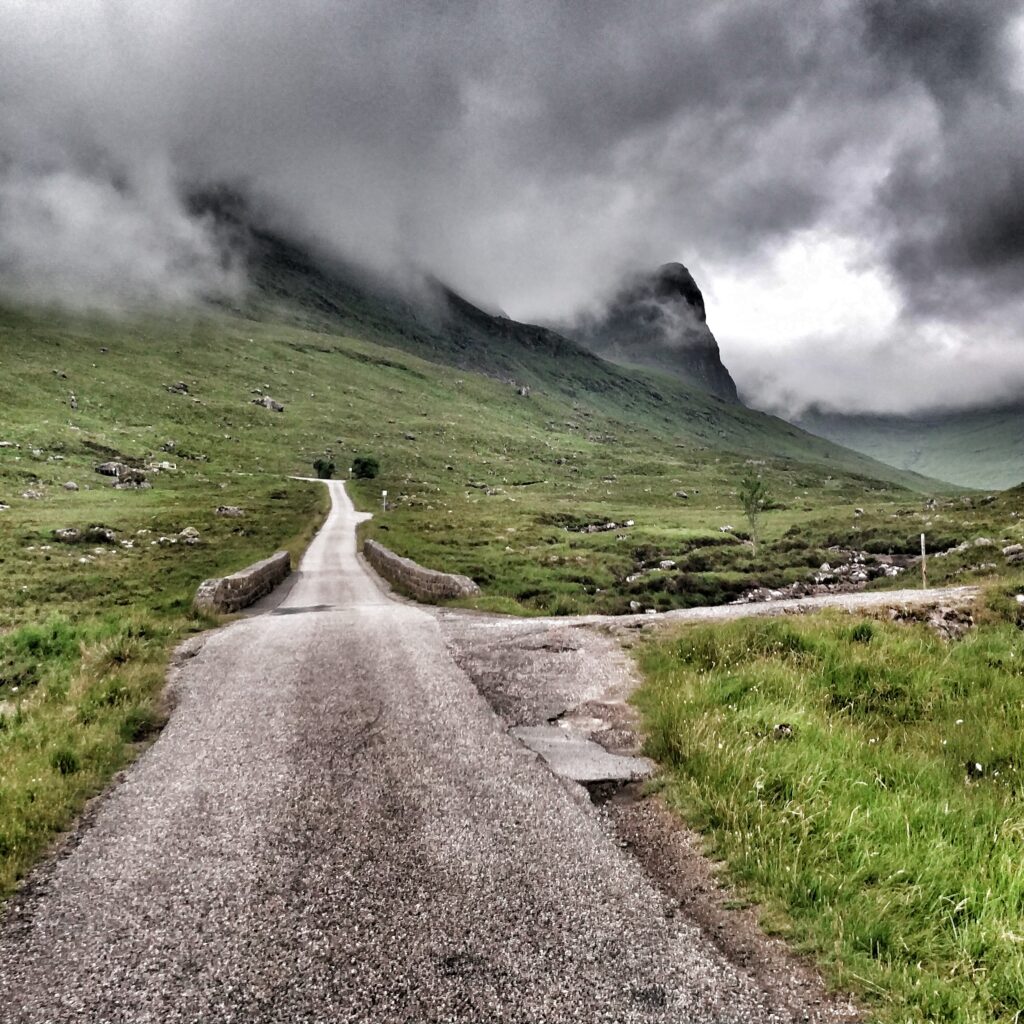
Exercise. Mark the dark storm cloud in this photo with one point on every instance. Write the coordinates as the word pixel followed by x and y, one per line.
pixel 529 152
pixel 499 141
pixel 957 201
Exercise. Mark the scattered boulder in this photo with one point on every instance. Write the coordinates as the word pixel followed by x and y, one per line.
pixel 181 388
pixel 111 468
pixel 725 529
pixel 984 542
pixel 162 467
pixel 132 480
pixel 231 511
pixel 859 569
pixel 1013 549
pixel 681 494
pixel 975 769
pixel 268 403
pixel 72 401
pixel 783 731
pixel 523 392
pixel 71 486
pixel 410 437
pixel 666 563
pixel 190 535
pixel 95 534
pixel 950 623
pixel 4 508
pixel 31 494
pixel 9 444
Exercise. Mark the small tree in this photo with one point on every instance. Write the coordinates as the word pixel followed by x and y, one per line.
pixel 365 467
pixel 324 469
pixel 755 499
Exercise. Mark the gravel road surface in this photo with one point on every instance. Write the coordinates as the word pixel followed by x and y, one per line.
pixel 336 826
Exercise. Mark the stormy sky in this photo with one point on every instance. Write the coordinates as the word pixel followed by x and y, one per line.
pixel 844 179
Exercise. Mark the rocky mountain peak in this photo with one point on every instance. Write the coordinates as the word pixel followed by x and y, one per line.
pixel 657 319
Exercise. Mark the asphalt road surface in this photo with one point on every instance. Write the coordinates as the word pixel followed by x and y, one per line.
pixel 336 826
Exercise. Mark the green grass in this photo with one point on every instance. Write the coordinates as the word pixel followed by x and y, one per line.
pixel 480 480
pixel 861 836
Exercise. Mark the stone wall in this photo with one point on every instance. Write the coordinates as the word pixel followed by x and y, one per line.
pixel 424 584
pixel 241 589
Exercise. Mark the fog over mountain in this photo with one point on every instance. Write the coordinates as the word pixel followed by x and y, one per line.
pixel 845 180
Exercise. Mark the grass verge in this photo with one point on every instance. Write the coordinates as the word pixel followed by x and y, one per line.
pixel 859 828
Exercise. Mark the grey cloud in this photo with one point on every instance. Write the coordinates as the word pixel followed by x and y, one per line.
pixel 531 152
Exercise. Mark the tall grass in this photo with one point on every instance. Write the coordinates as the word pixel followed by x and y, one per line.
pixel 75 702
pixel 861 834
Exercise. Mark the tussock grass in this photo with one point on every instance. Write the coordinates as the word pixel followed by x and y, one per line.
pixel 93 696
pixel 861 836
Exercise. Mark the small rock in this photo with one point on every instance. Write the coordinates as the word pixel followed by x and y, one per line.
pixel 4 508
pixel 681 494
pixel 975 770
pixel 31 495
pixel 782 731
pixel 725 529
pixel 1013 549
pixel 410 437
pixel 231 511
pixel 111 468
pixel 666 563
pixel 72 401
pixel 181 388
pixel 68 535
pixel 71 486
pixel 984 542
pixel 268 403
pixel 635 606
pixel 190 535
pixel 858 511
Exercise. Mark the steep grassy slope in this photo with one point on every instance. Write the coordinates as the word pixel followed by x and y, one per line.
pixel 979 448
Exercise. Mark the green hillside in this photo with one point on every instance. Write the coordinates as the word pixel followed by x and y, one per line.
pixel 981 448
pixel 512 489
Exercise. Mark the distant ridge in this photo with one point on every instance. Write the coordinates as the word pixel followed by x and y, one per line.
pixel 972 447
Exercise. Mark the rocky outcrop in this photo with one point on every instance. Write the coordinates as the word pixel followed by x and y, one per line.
pixel 658 320
pixel 423 584
pixel 241 589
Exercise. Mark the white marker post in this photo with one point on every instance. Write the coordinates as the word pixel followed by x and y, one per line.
pixel 924 566
pixel 384 501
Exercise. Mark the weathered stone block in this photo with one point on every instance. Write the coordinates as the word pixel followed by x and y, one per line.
pixel 241 589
